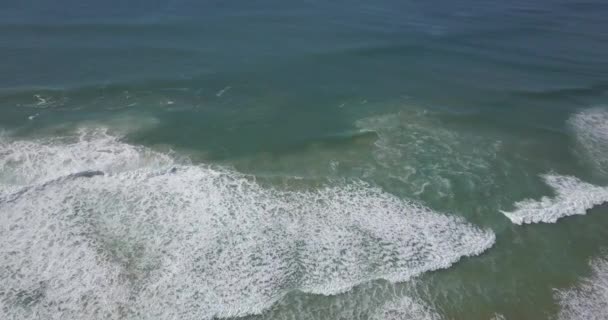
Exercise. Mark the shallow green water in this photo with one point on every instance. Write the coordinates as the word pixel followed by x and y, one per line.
pixel 284 160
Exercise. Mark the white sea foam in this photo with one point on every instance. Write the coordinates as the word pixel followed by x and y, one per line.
pixel 28 161
pixel 221 92
pixel 406 308
pixel 589 299
pixel 373 300
pixel 154 239
pixel 572 197
pixel 417 150
pixel 498 316
pixel 591 130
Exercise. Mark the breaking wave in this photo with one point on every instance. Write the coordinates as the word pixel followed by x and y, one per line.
pixel 94 228
pixel 573 197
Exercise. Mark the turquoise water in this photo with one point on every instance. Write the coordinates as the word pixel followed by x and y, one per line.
pixel 304 160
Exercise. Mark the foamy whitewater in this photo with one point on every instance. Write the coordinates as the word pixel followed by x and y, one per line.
pixel 94 228
pixel 590 127
pixel 572 195
pixel 589 299
pixel 405 309
pixel 373 300
pixel 415 149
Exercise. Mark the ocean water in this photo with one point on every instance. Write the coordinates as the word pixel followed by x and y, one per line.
pixel 177 159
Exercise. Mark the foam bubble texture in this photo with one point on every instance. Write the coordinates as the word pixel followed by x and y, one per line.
pixel 427 158
pixel 572 197
pixel 152 239
pixel 406 308
pixel 591 129
pixel 589 299
pixel 23 162
pixel 498 316
pixel 372 300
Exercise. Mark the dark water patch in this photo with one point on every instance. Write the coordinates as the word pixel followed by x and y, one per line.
pixel 594 90
pixel 16 195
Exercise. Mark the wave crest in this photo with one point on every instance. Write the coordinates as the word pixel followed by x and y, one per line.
pixel 572 197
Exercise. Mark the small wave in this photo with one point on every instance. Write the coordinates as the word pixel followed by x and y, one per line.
pixel 498 316
pixel 406 308
pixel 572 197
pixel 156 239
pixel 589 299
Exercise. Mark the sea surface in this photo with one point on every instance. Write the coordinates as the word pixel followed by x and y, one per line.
pixel 180 159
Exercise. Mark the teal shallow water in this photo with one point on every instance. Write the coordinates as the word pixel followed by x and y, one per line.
pixel 285 160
